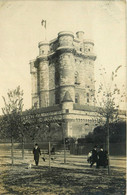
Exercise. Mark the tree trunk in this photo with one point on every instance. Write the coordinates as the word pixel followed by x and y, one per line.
pixel 108 148
pixel 64 151
pixel 49 156
pixel 49 148
pixel 23 148
pixel 12 151
pixel 64 144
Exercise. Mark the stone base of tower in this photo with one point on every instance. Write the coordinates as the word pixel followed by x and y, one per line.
pixel 67 129
pixel 78 129
pixel 66 123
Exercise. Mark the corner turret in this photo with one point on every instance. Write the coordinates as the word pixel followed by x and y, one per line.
pixel 67 103
pixel 80 35
pixel 43 47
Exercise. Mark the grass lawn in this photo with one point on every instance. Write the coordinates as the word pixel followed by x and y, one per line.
pixel 76 177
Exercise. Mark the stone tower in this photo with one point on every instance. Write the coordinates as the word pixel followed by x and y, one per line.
pixel 63 75
pixel 64 64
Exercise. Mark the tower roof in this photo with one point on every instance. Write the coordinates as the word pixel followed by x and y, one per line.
pixel 67 97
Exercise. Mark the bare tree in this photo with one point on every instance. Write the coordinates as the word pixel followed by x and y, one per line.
pixel 11 115
pixel 107 101
pixel 31 124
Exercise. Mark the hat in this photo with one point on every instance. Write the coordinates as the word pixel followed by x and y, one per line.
pixel 101 146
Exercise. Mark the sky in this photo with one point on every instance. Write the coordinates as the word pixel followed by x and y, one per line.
pixel 21 31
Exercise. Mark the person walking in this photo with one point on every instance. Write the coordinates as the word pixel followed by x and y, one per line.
pixel 94 157
pixel 102 157
pixel 37 153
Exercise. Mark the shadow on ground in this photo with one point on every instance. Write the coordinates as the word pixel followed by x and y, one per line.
pixel 40 180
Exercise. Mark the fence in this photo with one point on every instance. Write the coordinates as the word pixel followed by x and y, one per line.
pixel 76 149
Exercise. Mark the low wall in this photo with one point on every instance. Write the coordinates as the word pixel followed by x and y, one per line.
pixel 118 149
pixel 29 146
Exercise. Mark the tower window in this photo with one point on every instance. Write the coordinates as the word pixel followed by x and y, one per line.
pixel 76 98
pixel 87 100
pixel 57 77
pixel 57 99
pixel 35 105
pixel 42 51
pixel 87 97
pixel 76 78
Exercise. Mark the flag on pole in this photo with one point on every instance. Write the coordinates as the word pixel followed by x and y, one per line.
pixel 43 23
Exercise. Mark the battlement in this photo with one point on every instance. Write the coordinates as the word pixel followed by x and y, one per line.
pixel 67 42
pixel 65 33
pixel 88 41
pixel 78 44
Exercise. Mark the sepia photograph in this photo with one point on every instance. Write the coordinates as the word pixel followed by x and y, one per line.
pixel 63 97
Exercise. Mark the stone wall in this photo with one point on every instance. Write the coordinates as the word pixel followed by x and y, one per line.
pixel 34 85
pixel 116 149
pixel 44 83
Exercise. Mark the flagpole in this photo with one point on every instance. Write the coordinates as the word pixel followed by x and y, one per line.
pixel 45 31
pixel 43 23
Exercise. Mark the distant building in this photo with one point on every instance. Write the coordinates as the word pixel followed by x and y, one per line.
pixel 63 82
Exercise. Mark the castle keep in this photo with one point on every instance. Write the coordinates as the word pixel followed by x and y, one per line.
pixel 64 65
pixel 62 81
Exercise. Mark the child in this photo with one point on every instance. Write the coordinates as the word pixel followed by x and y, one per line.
pixel 89 157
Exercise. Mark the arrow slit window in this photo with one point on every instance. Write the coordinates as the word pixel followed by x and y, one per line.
pixel 77 98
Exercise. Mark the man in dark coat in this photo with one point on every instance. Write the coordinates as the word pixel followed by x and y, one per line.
pixel 94 157
pixel 37 153
pixel 102 157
